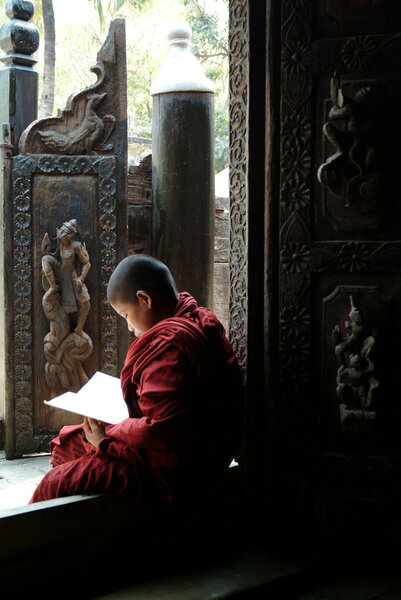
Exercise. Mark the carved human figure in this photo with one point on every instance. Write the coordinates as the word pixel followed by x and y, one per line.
pixel 355 128
pixel 356 383
pixel 354 339
pixel 66 296
pixel 74 293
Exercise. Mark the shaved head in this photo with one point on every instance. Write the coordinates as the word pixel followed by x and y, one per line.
pixel 140 272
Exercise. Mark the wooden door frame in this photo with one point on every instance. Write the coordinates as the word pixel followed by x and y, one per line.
pixel 253 33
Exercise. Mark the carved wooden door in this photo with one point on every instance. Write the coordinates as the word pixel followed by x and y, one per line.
pixel 339 250
pixel 323 448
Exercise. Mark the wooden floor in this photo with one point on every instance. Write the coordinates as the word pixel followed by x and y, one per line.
pixel 366 586
pixel 252 574
pixel 239 574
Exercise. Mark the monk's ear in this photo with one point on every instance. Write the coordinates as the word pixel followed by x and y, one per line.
pixel 144 297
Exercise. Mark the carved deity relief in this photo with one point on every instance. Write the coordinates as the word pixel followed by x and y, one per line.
pixel 356 381
pixel 66 304
pixel 354 174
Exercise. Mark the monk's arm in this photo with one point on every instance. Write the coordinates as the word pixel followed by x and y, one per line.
pixel 163 398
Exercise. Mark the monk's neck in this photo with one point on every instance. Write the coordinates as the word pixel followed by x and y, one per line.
pixel 167 310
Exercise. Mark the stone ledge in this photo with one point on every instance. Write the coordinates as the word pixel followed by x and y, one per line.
pixel 81 535
pixel 240 573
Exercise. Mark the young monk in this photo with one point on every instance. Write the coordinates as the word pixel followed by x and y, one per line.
pixel 183 389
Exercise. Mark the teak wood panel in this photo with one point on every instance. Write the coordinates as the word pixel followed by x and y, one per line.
pixel 331 249
pixel 48 190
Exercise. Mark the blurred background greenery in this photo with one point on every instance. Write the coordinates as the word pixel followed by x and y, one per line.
pixel 72 32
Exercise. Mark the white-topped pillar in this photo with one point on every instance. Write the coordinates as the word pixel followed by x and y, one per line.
pixel 183 168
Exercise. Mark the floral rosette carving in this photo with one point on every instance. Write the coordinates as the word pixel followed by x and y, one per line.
pixel 295 257
pixel 23 300
pixel 296 165
pixel 296 56
pixel 295 193
pixel 354 257
pixel 296 131
pixel 108 253
pixel 359 53
pixel 294 320
pixel 294 350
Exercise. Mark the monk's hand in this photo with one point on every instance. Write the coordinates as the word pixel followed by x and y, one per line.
pixel 94 431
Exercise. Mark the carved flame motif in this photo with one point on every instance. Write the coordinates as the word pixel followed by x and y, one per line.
pixel 66 304
pixel 87 124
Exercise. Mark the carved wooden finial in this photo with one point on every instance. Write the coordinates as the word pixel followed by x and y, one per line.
pixel 18 38
pixel 181 70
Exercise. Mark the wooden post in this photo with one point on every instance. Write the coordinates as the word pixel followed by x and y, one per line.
pixel 18 81
pixel 183 168
pixel 19 39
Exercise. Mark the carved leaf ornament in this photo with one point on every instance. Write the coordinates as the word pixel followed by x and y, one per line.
pixel 238 43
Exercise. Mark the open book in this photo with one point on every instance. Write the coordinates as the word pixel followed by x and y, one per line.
pixel 100 398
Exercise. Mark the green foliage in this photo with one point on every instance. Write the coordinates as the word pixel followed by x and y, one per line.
pixel 221 139
pixel 147 22
pixel 3 17
pixel 210 45
pixel 108 10
pixel 210 39
pixel 139 78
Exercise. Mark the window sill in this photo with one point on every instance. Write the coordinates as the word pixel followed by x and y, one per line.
pixel 19 477
pixel 102 533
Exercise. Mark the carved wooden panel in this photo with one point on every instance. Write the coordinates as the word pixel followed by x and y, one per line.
pixel 358 159
pixel 339 243
pixel 295 210
pixel 310 215
pixel 84 188
pixel 72 166
pixel 356 17
pixel 347 364
pixel 239 69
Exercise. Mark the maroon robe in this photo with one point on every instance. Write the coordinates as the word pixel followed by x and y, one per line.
pixel 183 389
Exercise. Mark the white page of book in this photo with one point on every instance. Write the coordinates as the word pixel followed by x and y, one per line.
pixel 100 398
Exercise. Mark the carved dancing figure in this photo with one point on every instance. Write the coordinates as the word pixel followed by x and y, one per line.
pixel 66 294
pixel 356 383
pixel 353 172
pixel 354 339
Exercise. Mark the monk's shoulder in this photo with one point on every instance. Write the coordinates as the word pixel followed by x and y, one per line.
pixel 180 335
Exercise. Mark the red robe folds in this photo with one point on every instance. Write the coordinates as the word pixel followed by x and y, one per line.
pixel 183 389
